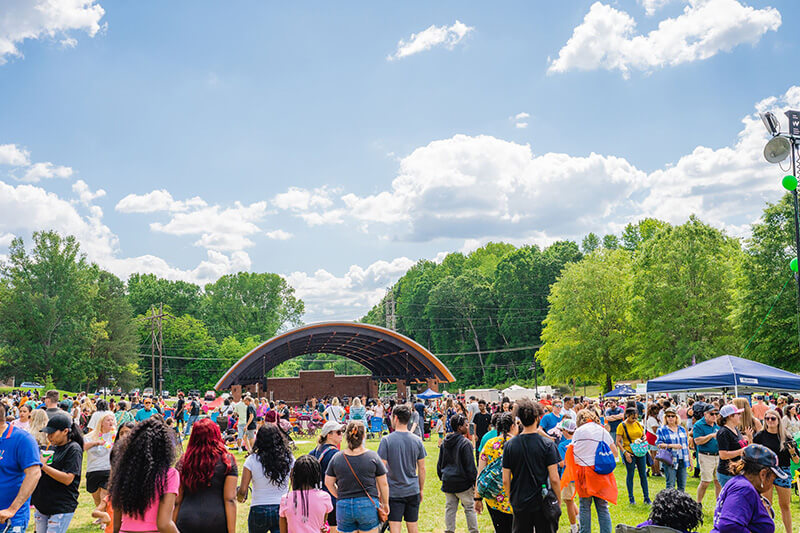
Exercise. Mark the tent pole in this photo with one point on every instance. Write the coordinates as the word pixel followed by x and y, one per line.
pixel 736 391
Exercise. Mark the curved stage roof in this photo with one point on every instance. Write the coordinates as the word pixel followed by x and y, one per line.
pixel 386 353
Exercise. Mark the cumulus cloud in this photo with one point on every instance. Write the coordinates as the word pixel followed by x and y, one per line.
pixel 299 199
pixel 46 170
pixel 279 235
pixel 520 120
pixel 85 195
pixel 155 201
pixel 447 36
pixel 607 39
pixel 350 295
pixel 651 6
pixel 11 154
pixel 37 19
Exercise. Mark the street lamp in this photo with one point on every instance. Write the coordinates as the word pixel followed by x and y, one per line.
pixel 776 151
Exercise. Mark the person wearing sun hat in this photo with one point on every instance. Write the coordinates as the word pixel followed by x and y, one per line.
pixel 741 505
pixel 330 439
pixel 730 441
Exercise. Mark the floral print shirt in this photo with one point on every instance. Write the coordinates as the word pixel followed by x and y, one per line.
pixel 491 451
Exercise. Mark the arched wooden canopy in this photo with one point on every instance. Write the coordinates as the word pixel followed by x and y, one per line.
pixel 385 353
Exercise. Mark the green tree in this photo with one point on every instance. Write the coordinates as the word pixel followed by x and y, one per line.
pixel 145 290
pixel 590 243
pixel 611 242
pixel 634 234
pixel 764 274
pixel 250 305
pixel 682 296
pixel 587 328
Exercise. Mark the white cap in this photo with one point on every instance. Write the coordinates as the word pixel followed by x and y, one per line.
pixel 331 426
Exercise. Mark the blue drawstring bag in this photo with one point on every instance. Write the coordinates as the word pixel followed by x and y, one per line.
pixel 604 460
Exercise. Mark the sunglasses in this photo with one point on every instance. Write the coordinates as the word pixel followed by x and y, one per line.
pixel 671 416
pixel 770 418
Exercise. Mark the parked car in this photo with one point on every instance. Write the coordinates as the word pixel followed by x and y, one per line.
pixel 134 392
pixel 117 391
pixel 103 390
pixel 30 385
pixel 165 394
pixel 194 392
pixel 148 391
pixel 210 396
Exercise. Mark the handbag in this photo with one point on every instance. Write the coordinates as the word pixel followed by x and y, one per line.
pixel 665 456
pixel 383 516
pixel 638 447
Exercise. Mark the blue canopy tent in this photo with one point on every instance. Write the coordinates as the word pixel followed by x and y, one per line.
pixel 620 391
pixel 429 394
pixel 726 372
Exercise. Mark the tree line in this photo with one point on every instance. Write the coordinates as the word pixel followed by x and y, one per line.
pixel 654 299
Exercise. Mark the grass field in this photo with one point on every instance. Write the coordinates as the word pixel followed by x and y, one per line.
pixel 432 513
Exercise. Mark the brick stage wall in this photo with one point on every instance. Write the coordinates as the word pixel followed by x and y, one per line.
pixel 316 384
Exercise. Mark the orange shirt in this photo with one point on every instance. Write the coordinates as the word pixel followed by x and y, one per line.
pixel 759 410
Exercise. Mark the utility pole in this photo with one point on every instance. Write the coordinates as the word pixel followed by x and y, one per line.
pixel 391 308
pixel 157 343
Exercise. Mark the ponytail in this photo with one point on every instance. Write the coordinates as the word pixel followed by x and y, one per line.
pixel 75 434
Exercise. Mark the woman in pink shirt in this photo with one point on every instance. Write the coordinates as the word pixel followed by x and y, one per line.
pixel 305 508
pixel 143 483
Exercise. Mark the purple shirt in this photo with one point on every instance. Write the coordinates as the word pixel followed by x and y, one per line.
pixel 739 509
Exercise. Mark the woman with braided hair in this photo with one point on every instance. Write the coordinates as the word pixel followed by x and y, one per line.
pixel 499 507
pixel 144 484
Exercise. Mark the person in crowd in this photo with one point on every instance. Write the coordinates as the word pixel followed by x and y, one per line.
pixel 304 508
pixel 147 411
pixel 652 424
pixel 457 471
pixel 56 494
pixel 567 427
pixel 579 467
pixel 629 431
pixel 675 509
pixel 330 439
pixel 75 411
pixel 672 436
pixel 357 410
pixel 144 485
pixel 39 420
pixel 102 410
pixel 206 501
pixel 791 422
pixel 240 413
pixel 530 461
pixel 249 423
pixel 123 413
pixel 499 507
pixel 613 416
pixel 334 412
pixel 741 506
pixel 97 446
pixel 193 408
pixel 551 420
pixel 730 441
pixel 775 437
pixel 750 425
pixel 51 403
pixel 569 408
pixel 760 407
pixel 23 423
pixel 492 433
pixel 180 411
pixel 356 477
pixel 482 419
pixel 268 469
pixel 404 454
pixel 20 472
pixel 704 434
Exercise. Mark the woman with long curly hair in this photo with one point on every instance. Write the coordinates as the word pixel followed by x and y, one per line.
pixel 676 509
pixel 268 468
pixel 143 483
pixel 206 502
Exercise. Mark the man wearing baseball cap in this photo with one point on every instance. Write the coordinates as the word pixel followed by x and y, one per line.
pixel 704 433
pixel 330 439
pixel 730 441
pixel 741 505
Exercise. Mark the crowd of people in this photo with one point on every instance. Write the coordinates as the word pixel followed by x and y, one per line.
pixel 153 467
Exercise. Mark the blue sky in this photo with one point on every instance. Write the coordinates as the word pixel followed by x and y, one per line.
pixel 337 144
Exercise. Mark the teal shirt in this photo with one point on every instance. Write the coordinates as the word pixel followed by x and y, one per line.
pixel 144 414
pixel 489 435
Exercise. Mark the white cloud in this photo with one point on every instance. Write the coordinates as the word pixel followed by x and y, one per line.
pixel 349 296
pixel 155 201
pixel 11 154
pixel 521 125
pixel 46 170
pixel 5 239
pixel 519 120
pixel 85 194
pixel 279 235
pixel 221 229
pixel 520 116
pixel 606 38
pixel 299 199
pixel 36 19
pixel 651 6
pixel 430 37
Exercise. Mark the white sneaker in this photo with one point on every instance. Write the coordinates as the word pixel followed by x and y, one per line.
pixel 573 528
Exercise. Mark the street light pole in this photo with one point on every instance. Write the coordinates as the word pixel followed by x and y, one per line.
pixel 796 219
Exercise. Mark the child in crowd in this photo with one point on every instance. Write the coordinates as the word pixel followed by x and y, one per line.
pixel 305 508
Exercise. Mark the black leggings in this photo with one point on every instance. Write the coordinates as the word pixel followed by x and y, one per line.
pixel 501 521
pixel 530 522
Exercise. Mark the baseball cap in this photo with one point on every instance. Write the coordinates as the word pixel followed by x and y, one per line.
pixel 728 410
pixel 568 424
pixel 763 456
pixel 57 423
pixel 331 426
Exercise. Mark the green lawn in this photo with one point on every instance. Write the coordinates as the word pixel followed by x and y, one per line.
pixel 432 514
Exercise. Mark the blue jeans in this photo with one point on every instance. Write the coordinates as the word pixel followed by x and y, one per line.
pixel 189 423
pixel 54 523
pixel 603 515
pixel 640 464
pixel 264 518
pixel 723 478
pixel 676 473
pixel 356 514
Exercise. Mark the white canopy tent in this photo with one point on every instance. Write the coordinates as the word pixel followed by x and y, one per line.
pixel 515 392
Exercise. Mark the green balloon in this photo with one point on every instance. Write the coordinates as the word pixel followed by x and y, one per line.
pixel 789 182
pixel 793 265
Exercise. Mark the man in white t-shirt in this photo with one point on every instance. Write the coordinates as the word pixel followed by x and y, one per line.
pixel 472 409
pixel 569 412
pixel 240 408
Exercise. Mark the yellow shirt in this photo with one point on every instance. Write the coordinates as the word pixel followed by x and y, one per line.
pixel 635 430
pixel 491 451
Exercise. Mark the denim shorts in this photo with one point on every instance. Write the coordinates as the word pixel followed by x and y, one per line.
pixel 785 483
pixel 356 514
pixel 264 518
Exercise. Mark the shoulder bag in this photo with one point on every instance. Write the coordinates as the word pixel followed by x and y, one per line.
pixel 550 507
pixel 383 516
pixel 638 448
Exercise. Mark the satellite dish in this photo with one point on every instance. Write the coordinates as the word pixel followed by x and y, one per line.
pixel 777 149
